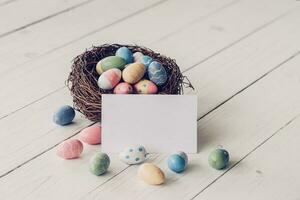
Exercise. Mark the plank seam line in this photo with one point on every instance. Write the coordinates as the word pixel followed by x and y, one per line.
pixel 45 18
pixel 242 38
pixel 252 83
pixel 43 152
pixel 7 2
pixel 247 155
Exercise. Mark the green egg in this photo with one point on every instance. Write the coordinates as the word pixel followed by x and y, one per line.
pixel 218 159
pixel 109 63
pixel 99 163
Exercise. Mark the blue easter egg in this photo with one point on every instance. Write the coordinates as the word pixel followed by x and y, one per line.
pixel 146 60
pixel 64 115
pixel 126 54
pixel 176 163
pixel 157 73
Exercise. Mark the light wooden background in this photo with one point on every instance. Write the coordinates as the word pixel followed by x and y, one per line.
pixel 242 56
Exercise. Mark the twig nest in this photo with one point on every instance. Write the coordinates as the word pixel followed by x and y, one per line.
pixel 95 73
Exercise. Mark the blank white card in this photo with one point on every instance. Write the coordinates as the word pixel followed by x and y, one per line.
pixel 161 123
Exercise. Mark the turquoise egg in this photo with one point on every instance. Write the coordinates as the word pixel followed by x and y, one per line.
pixel 99 163
pixel 126 54
pixel 176 163
pixel 64 115
pixel 157 73
pixel 184 156
pixel 218 159
pixel 146 60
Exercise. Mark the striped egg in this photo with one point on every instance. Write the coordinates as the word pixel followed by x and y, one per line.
pixel 133 72
pixel 70 149
pixel 110 62
pixel 145 87
pixel 109 79
pixel 157 73
pixel 123 88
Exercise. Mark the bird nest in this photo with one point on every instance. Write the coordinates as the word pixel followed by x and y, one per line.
pixel 82 80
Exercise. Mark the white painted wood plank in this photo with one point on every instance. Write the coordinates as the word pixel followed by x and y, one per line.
pixel 16 15
pixel 44 134
pixel 240 125
pixel 55 64
pixel 22 46
pixel 270 172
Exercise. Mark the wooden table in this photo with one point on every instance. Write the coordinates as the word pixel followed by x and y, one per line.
pixel 242 56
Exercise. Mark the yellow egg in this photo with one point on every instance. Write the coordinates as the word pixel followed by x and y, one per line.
pixel 151 174
pixel 133 72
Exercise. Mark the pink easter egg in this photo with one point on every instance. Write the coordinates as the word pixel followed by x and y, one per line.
pixel 109 79
pixel 123 88
pixel 145 87
pixel 70 149
pixel 91 135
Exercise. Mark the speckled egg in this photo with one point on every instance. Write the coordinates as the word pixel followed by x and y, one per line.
pixel 99 163
pixel 146 61
pixel 70 149
pixel 151 174
pixel 123 88
pixel 176 163
pixel 145 87
pixel 126 54
pixel 109 79
pixel 110 62
pixel 64 115
pixel 91 135
pixel 157 73
pixel 133 155
pixel 133 73
pixel 218 159
pixel 137 56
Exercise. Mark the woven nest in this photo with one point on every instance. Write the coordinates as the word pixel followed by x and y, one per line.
pixel 82 80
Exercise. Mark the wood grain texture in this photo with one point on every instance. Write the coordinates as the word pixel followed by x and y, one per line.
pixel 17 15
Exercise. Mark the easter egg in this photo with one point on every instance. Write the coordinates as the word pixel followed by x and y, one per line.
pixel 109 79
pixel 151 174
pixel 218 159
pixel 176 163
pixel 126 54
pixel 137 56
pixel 99 163
pixel 69 149
pixel 157 73
pixel 64 115
pixel 145 87
pixel 91 135
pixel 123 88
pixel 133 155
pixel 133 72
pixel 110 62
pixel 145 60
pixel 184 156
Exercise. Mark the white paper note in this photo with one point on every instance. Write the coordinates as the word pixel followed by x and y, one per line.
pixel 161 123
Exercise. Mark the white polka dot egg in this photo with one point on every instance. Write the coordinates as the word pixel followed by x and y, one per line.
pixel 133 155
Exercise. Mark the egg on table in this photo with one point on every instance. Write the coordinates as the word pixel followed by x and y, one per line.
pixel 109 79
pixel 177 162
pixel 133 155
pixel 151 174
pixel 125 53
pixel 137 55
pixel 123 88
pixel 91 134
pixel 70 149
pixel 133 72
pixel 157 73
pixel 145 87
pixel 110 62
pixel 218 159
pixel 64 115
pixel 99 163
